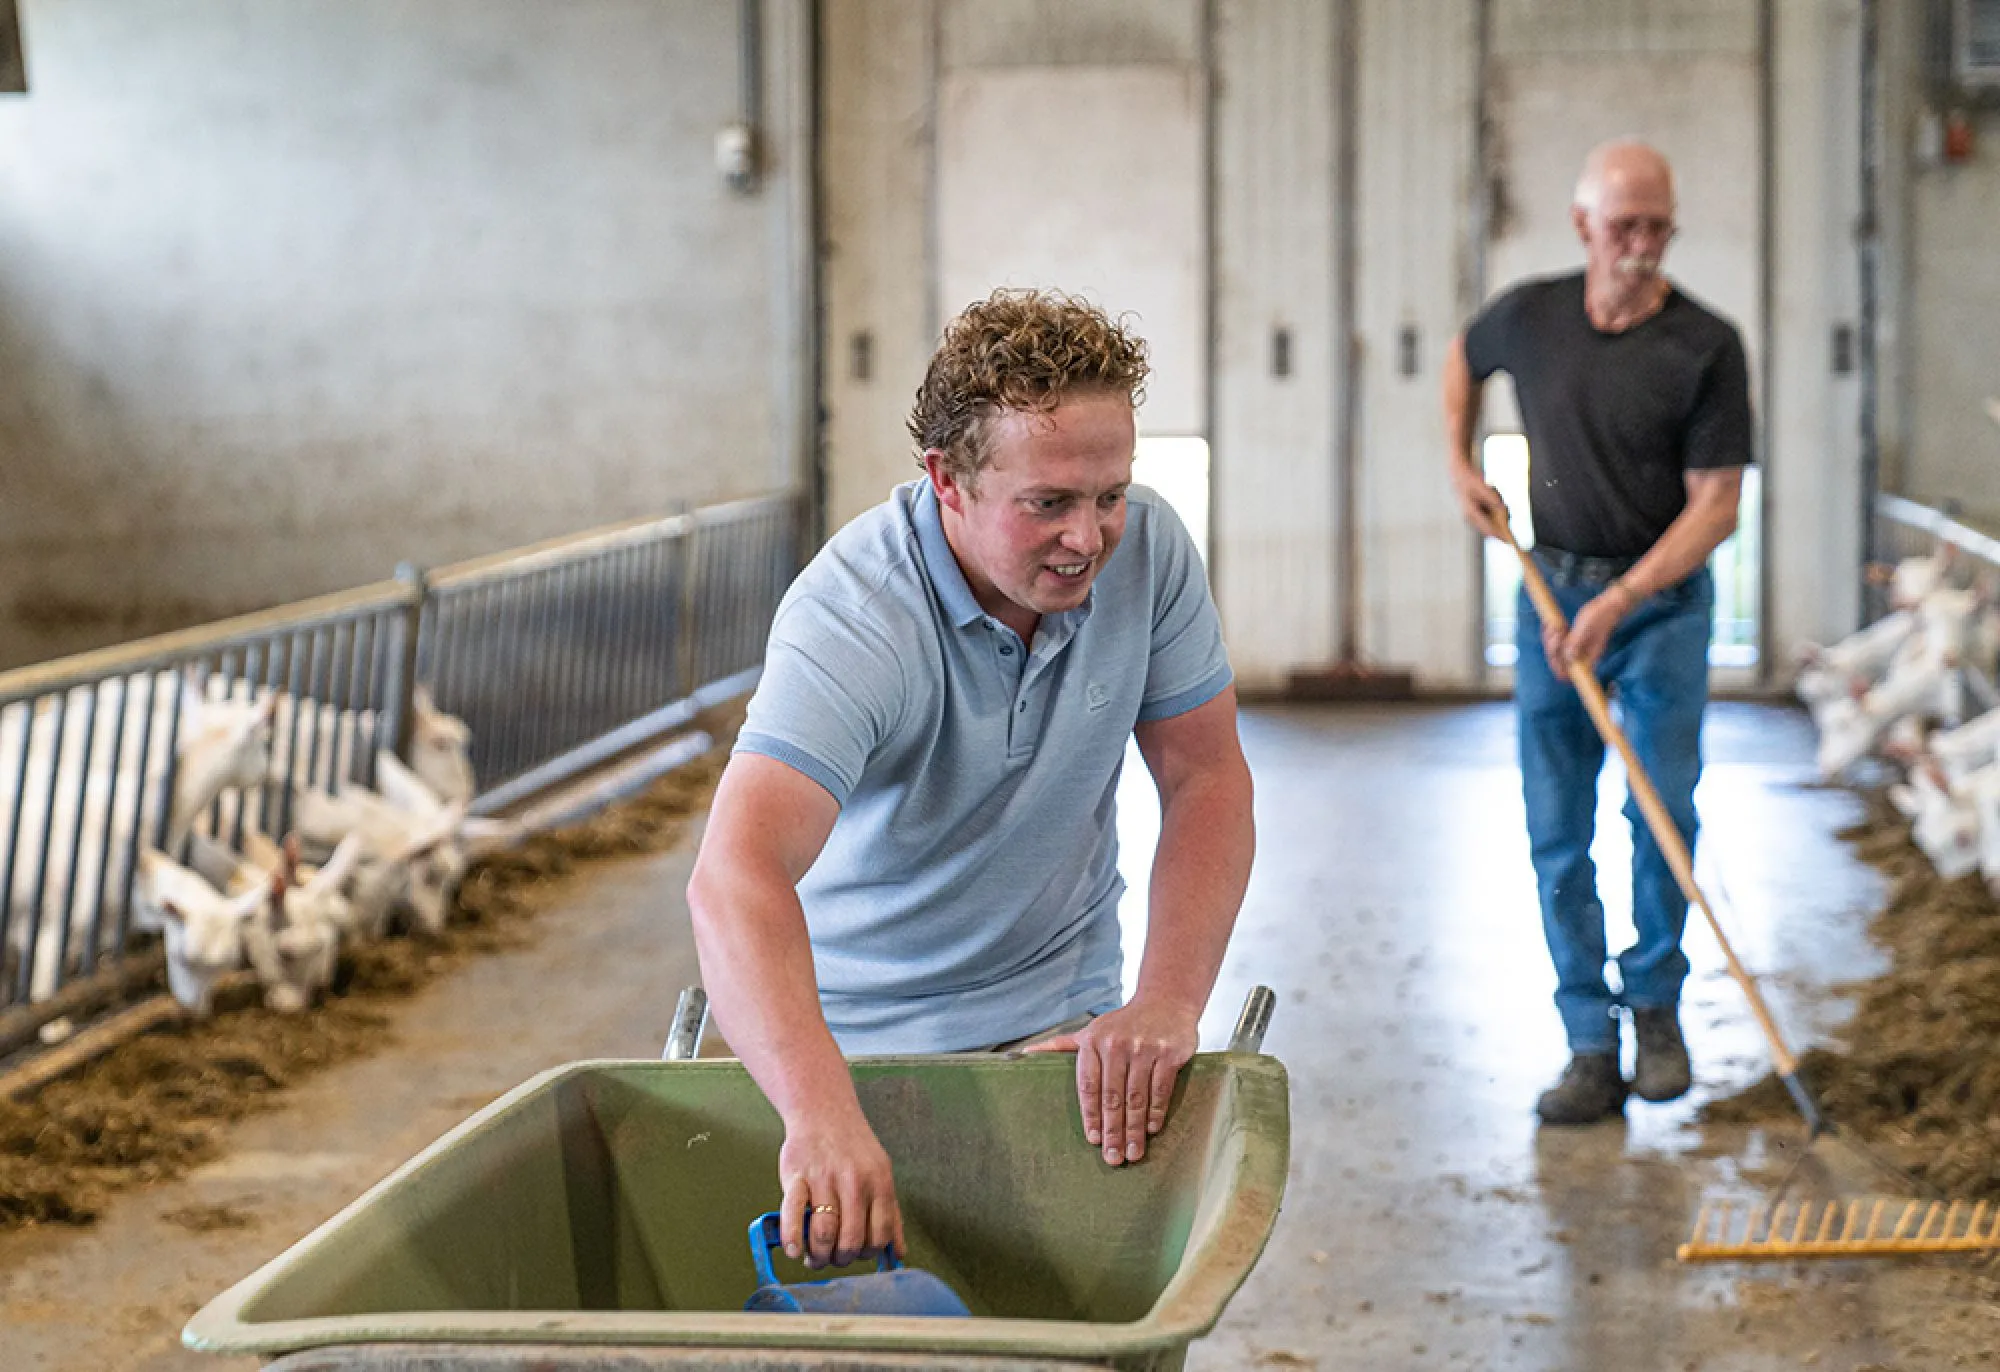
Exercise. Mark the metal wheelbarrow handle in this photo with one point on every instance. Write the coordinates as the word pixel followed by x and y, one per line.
pixel 1255 1019
pixel 690 1018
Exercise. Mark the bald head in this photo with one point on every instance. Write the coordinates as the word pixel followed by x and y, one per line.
pixel 1624 167
pixel 1624 217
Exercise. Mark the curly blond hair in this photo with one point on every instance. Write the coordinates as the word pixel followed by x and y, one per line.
pixel 1021 350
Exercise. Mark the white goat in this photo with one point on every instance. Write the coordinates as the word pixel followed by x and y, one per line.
pixel 1986 802
pixel 1944 818
pixel 441 750
pixel 1851 666
pixel 1960 752
pixel 79 873
pixel 203 928
pixel 408 861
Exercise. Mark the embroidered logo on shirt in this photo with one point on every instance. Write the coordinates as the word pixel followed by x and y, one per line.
pixel 1096 695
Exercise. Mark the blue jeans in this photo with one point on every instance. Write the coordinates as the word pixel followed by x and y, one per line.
pixel 1655 670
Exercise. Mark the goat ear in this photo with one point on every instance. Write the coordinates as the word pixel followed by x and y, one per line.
pixel 267 709
pixel 421 701
pixel 173 912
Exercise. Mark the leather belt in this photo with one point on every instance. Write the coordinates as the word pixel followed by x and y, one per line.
pixel 1573 569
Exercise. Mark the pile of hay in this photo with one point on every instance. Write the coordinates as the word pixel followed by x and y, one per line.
pixel 154 1107
pixel 1918 1072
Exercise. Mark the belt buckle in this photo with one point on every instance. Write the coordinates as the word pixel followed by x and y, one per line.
pixel 1563 566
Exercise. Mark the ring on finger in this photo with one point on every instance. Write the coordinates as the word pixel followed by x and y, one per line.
pixel 826 1210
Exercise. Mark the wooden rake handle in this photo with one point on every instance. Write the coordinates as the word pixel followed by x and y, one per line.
pixel 1665 832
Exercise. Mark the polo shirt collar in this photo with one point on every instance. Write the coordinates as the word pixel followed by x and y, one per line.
pixel 954 592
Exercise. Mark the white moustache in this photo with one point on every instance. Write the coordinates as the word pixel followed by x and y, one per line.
pixel 1636 265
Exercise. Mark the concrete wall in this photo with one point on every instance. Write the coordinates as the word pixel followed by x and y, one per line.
pixel 878 104
pixel 1415 125
pixel 1944 446
pixel 1812 472
pixel 1273 430
pixel 291 292
pixel 884 69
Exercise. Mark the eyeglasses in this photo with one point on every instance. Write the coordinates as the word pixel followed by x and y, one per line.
pixel 1630 226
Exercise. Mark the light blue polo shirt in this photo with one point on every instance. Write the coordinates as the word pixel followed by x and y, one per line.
pixel 968 893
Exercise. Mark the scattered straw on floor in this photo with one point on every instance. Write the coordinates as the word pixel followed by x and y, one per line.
pixel 1918 1074
pixel 153 1107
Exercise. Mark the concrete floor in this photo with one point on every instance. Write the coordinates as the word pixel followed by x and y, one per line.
pixel 1428 1223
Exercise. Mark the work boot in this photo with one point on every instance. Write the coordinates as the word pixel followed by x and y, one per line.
pixel 1661 1072
pixel 1589 1090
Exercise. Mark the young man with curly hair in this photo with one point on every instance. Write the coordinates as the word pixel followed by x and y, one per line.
pixel 913 848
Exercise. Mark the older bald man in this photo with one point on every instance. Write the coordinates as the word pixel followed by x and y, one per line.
pixel 1636 402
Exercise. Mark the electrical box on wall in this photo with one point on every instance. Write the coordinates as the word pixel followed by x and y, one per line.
pixel 13 66
pixel 1975 45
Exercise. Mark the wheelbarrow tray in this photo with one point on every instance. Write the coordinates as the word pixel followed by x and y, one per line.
pixel 604 1203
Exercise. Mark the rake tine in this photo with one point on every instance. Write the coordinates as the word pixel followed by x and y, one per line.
pixel 1904 1180
pixel 1903 1221
pixel 1937 1211
pixel 1874 1217
pixel 1826 1223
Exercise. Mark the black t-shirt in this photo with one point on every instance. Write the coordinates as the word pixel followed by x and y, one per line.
pixel 1614 420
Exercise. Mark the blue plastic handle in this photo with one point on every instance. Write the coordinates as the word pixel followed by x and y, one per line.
pixel 765 1235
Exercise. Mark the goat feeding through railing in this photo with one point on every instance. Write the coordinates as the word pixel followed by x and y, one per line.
pixel 1915 690
pixel 189 784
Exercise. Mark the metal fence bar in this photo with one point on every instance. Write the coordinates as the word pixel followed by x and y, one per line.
pixel 93 927
pixel 66 909
pixel 138 823
pixel 25 712
pixel 38 886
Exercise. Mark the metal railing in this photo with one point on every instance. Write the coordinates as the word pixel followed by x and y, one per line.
pixel 568 645
pixel 556 656
pixel 1904 528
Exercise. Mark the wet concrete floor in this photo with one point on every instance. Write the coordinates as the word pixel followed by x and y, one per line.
pixel 1428 1223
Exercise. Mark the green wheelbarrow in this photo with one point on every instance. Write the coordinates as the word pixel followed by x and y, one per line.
pixel 592 1220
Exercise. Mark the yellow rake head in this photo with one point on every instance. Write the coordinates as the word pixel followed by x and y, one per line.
pixel 1878 1228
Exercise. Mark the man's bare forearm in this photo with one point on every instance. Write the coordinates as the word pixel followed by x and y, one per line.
pixel 1200 871
pixel 1696 532
pixel 1461 406
pixel 756 963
